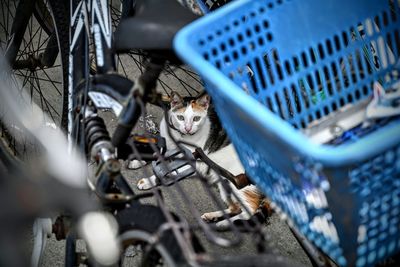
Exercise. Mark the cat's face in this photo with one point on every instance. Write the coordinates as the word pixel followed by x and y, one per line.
pixel 188 118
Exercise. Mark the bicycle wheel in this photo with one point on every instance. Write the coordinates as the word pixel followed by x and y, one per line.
pixel 40 67
pixel 174 78
pixel 137 226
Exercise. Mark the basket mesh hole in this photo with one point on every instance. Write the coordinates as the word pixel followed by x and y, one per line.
pixel 329 47
pixel 385 18
pixel 345 38
pixel 328 81
pixel 265 24
pixel 397 39
pixel 326 110
pixel 243 50
pixel 358 94
pixel 334 106
pixel 252 45
pixel 377 21
pixel 341 102
pixel 236 23
pixel 310 84
pixel 277 64
pixel 240 37
pixel 226 59
pixel 365 90
pixel 279 2
pixel 318 114
pixel 279 104
pixel 352 70
pixel 248 33
pixel 337 42
pixel 296 98
pixel 392 11
pixel 296 64
pixel 253 82
pixel 320 51
pixel 235 55
pixel 288 102
pixel 223 47
pixel 270 5
pixel 257 28
pixel 312 55
pixel 269 36
pixel 261 10
pixel 260 73
pixel 260 41
pixel 231 42
pixel 269 104
pixel 268 67
pixel 359 64
pixel 287 67
pixel 304 59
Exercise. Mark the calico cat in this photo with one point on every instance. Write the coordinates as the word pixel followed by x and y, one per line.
pixel 196 123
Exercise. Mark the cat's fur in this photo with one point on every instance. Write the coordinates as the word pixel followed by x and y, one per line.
pixel 195 123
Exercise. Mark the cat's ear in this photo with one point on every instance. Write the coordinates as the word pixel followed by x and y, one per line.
pixel 203 101
pixel 176 100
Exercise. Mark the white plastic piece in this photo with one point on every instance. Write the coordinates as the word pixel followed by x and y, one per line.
pixel 103 101
pixel 42 229
pixel 99 230
pixel 384 104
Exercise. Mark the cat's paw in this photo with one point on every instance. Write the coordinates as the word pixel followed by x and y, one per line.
pixel 223 225
pixel 210 217
pixel 136 164
pixel 146 183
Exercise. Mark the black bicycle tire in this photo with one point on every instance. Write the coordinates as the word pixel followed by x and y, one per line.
pixel 61 15
pixel 148 218
pixel 41 14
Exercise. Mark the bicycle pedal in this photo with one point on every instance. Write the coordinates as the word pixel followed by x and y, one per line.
pixel 145 146
pixel 174 167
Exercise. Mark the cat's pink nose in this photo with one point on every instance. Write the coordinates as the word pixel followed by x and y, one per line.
pixel 188 128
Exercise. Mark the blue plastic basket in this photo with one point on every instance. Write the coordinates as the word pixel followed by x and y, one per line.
pixel 273 68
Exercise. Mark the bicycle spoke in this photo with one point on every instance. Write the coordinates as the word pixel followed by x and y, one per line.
pixel 46 80
pixel 51 81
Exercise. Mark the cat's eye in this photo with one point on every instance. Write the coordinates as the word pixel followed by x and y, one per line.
pixel 196 118
pixel 180 117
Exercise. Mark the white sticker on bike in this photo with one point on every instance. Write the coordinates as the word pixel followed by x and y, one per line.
pixel 103 101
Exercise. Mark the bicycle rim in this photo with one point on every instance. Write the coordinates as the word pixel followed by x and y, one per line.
pixel 174 78
pixel 44 85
